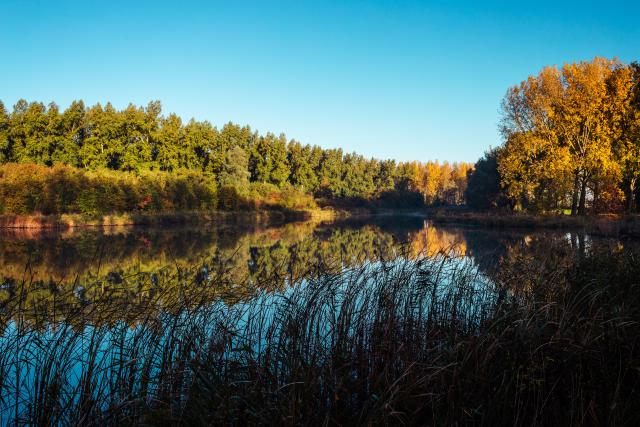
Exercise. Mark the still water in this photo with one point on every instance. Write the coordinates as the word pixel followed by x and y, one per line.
pixel 90 318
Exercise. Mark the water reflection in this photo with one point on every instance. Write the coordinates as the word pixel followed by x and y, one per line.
pixel 129 298
pixel 44 277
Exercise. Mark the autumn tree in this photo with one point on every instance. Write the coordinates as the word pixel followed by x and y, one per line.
pixel 559 128
pixel 627 146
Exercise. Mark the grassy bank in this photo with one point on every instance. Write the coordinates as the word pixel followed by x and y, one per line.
pixel 64 221
pixel 605 225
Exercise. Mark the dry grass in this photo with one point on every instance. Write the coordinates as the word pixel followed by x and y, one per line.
pixel 64 221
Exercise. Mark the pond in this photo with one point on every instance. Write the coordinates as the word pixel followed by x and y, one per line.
pixel 94 321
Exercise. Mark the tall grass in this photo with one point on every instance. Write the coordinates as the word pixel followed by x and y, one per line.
pixel 423 341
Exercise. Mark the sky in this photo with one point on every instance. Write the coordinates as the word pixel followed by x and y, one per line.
pixel 406 80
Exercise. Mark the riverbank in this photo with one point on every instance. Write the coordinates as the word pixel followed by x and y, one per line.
pixel 603 225
pixel 263 217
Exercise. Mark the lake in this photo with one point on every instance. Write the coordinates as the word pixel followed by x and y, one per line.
pixel 94 321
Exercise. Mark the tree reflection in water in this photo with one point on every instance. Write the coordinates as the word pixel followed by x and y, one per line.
pixel 96 320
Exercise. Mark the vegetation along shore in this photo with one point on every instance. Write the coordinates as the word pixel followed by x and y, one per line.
pixel 571 147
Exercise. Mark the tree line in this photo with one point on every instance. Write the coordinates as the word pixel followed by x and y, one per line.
pixel 571 143
pixel 235 158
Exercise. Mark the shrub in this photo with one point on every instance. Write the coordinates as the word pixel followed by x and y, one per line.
pixel 30 188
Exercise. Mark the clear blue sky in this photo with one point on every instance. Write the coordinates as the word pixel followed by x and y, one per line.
pixel 389 79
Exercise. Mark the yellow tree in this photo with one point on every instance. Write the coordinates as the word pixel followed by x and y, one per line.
pixel 533 165
pixel 434 180
pixel 459 175
pixel 588 113
pixel 627 134
pixel 534 172
pixel 573 111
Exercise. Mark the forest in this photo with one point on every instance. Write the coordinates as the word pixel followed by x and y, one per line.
pixel 571 145
pixel 70 161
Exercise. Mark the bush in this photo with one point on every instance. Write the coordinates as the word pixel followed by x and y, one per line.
pixel 294 198
pixel 260 195
pixel 30 188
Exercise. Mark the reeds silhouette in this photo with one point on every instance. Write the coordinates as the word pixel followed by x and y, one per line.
pixel 422 340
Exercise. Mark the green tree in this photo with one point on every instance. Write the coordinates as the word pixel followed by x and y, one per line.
pixel 302 173
pixel 235 170
pixel 357 176
pixel 100 140
pixel 260 161
pixel 134 148
pixel 140 140
pixel 385 177
pixel 330 173
pixel 279 166
pixel 71 135
pixel 231 135
pixel 28 131
pixel 5 148
pixel 169 148
pixel 483 183
pixel 202 147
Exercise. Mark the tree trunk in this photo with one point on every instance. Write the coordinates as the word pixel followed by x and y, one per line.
pixel 581 245
pixel 631 197
pixel 583 196
pixel 574 196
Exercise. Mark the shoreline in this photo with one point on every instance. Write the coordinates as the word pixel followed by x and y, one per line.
pixel 69 221
pixel 603 225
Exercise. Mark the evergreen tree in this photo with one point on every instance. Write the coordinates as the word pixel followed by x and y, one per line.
pixel 279 165
pixel 66 149
pixel 483 183
pixel 302 165
pixel 260 159
pixel 385 177
pixel 330 173
pixel 5 148
pixel 235 170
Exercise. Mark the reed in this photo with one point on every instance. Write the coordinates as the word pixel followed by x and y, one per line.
pixel 404 341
